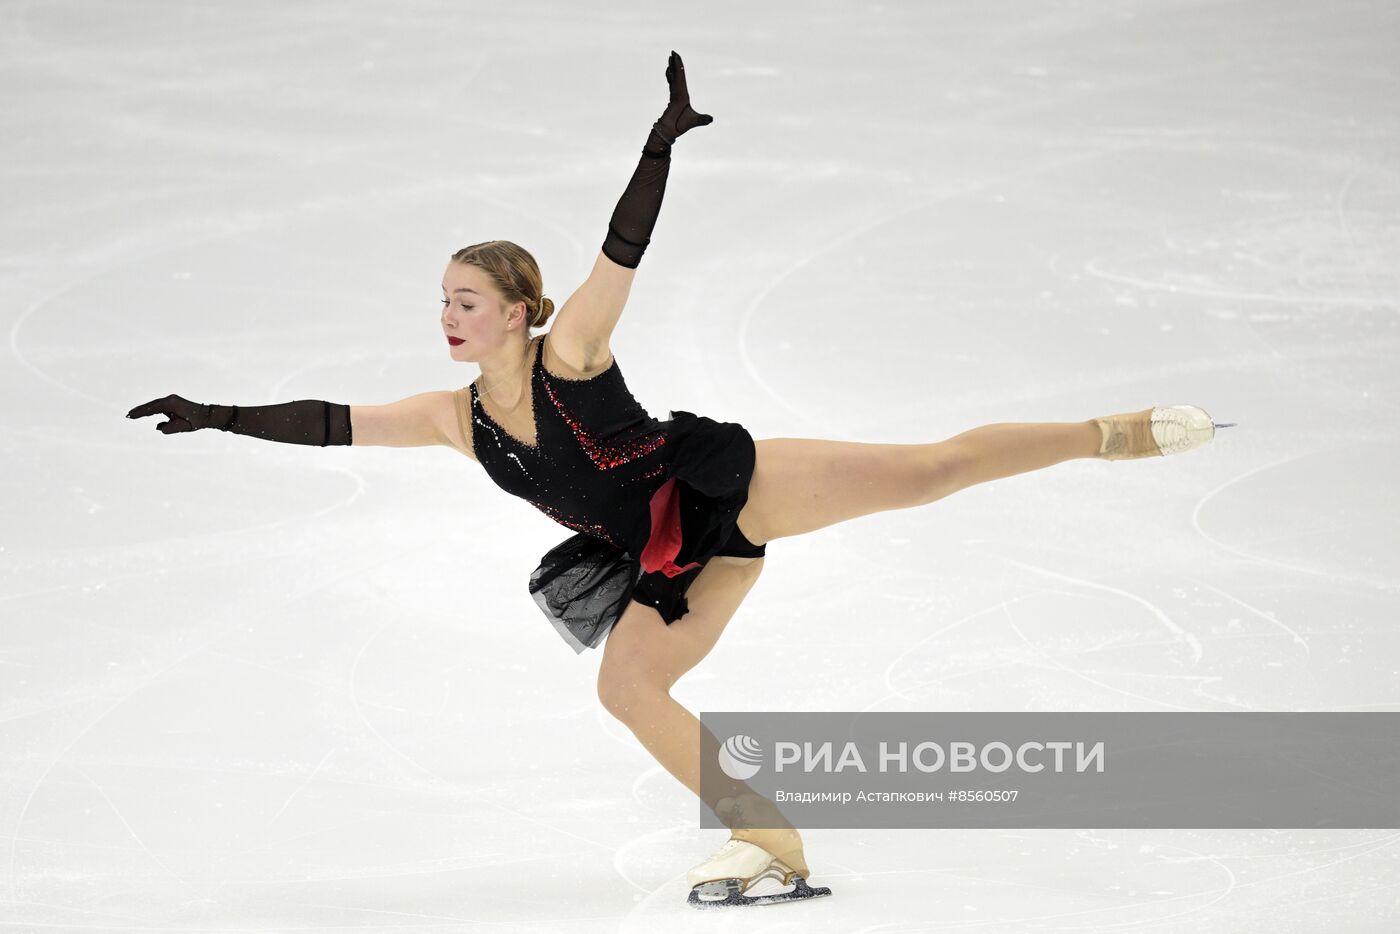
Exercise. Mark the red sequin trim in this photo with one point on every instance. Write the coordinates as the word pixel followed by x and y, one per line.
pixel 605 456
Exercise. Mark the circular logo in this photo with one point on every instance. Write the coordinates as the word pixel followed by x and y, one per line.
pixel 740 757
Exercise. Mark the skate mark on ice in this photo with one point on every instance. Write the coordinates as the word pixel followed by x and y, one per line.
pixel 1383 585
pixel 1161 616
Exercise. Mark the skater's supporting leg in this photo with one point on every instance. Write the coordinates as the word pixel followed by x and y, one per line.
pixel 800 485
pixel 672 735
pixel 643 658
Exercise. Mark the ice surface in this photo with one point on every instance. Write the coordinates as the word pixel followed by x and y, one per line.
pixel 247 686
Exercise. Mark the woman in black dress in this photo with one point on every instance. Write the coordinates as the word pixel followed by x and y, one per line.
pixel 670 520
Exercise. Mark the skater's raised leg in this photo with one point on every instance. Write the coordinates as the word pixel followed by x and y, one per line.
pixel 800 485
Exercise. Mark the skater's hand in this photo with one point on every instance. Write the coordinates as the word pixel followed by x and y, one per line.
pixel 184 415
pixel 679 116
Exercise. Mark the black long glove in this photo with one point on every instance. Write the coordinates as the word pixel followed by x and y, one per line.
pixel 306 421
pixel 629 230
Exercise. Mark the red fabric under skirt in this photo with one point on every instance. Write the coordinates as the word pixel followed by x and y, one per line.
pixel 584 583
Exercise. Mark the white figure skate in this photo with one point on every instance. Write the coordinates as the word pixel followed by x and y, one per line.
pixel 1166 429
pixel 743 873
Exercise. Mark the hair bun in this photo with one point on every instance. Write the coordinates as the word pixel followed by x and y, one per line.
pixel 546 308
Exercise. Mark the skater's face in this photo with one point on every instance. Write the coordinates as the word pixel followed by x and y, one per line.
pixel 472 310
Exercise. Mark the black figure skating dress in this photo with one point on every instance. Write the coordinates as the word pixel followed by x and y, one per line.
pixel 650 501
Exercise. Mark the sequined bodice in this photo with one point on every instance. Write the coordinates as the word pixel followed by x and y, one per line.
pixel 598 455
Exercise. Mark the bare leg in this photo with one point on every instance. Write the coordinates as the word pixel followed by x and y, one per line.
pixel 800 485
pixel 642 660
pixel 668 731
pixel 1008 448
pixel 672 735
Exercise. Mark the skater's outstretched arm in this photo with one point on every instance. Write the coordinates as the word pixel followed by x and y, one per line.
pixel 417 421
pixel 306 421
pixel 591 313
pixel 413 422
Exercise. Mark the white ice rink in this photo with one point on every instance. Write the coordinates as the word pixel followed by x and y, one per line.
pixel 248 686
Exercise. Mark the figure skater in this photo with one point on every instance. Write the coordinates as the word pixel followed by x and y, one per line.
pixel 671 520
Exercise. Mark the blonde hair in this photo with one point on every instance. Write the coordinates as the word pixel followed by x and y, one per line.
pixel 514 272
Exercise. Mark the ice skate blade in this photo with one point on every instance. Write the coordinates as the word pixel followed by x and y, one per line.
pixel 725 893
